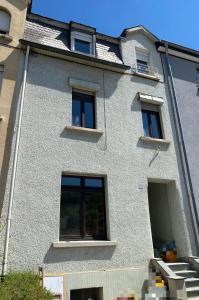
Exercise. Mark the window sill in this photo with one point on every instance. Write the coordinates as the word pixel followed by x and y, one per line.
pixel 83 129
pixel 153 77
pixel 6 37
pixel 80 244
pixel 154 141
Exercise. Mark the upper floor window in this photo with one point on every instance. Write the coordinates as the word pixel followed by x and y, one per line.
pixel 4 22
pixel 83 109
pixel 82 210
pixel 82 43
pixel 142 59
pixel 151 123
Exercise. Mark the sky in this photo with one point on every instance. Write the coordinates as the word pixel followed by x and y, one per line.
pixel 172 20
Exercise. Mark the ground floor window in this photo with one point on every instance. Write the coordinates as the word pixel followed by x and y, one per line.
pixel 82 210
pixel 85 294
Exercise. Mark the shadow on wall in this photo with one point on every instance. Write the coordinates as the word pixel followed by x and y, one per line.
pixel 21 5
pixel 78 254
pixel 11 73
pixel 54 73
pixel 83 136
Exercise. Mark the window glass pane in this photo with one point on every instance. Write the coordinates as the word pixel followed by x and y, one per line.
pixel 85 294
pixel 95 219
pixel 4 22
pixel 145 123
pixel 93 182
pixel 155 126
pixel 70 214
pixel 76 113
pixel 82 46
pixel 75 181
pixel 142 66
pixel 197 76
pixel 88 115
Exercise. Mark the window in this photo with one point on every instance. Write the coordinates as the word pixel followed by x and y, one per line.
pixel 4 22
pixel 86 294
pixel 142 57
pixel 82 43
pixel 82 211
pixel 83 110
pixel 151 124
pixel 82 46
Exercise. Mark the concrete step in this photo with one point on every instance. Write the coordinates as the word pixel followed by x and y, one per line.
pixel 186 273
pixel 178 266
pixel 192 282
pixel 192 292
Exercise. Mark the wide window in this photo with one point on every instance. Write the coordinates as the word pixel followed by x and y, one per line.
pixel 83 110
pixel 151 124
pixel 82 212
pixel 4 22
pixel 86 294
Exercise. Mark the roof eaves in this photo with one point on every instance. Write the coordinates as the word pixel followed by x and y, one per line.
pixel 140 28
pixel 178 47
pixel 74 54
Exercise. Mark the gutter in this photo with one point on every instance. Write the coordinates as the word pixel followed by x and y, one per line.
pixel 75 55
pixel 182 148
pixel 14 166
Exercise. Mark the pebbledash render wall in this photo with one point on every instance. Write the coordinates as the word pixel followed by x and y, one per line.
pixel 47 149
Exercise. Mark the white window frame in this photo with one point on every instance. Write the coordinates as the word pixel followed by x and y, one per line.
pixel 85 38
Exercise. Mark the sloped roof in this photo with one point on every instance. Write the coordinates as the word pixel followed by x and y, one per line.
pixel 43 33
pixel 142 29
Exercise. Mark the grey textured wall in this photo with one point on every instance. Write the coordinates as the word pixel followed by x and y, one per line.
pixel 47 149
pixel 184 73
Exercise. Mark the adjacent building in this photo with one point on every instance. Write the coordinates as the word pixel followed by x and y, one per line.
pixel 12 20
pixel 181 66
pixel 98 187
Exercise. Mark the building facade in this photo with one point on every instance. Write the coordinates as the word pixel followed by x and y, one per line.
pixel 98 189
pixel 12 20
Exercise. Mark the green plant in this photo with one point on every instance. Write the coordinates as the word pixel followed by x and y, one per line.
pixel 23 286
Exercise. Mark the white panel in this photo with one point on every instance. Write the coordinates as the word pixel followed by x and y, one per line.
pixel 55 285
pixel 4 21
pixel 142 55
pixel 151 99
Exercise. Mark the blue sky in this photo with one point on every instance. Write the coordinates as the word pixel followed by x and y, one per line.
pixel 172 20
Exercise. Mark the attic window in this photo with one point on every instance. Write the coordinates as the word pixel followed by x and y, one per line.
pixel 142 58
pixel 4 22
pixel 82 43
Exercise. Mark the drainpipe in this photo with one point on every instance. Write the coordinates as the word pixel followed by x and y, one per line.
pixel 14 166
pixel 182 148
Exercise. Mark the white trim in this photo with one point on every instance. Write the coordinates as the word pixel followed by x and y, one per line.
pixel 84 85
pixel 153 140
pixel 150 99
pixel 84 129
pixel 80 244
pixel 135 72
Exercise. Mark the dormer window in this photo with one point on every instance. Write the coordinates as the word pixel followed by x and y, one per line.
pixel 4 22
pixel 82 43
